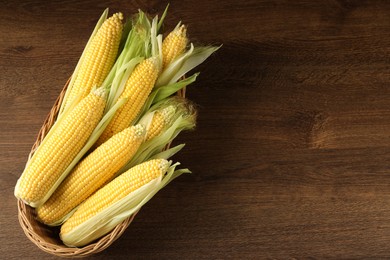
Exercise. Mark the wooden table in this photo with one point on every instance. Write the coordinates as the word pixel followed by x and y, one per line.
pixel 291 155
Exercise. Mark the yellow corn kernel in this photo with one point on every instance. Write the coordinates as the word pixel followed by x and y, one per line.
pixel 174 45
pixel 115 190
pixel 99 58
pixel 137 89
pixel 90 174
pixel 57 152
pixel 161 119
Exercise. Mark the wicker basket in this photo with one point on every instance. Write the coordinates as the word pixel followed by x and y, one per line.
pixel 47 238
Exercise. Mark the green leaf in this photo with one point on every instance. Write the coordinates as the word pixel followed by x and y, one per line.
pixel 161 93
pixel 157 144
pixel 184 63
pixel 166 91
pixel 160 23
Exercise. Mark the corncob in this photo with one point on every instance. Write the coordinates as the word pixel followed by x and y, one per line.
pixel 161 119
pixel 114 191
pixel 174 44
pixel 90 174
pixel 99 58
pixel 43 172
pixel 137 88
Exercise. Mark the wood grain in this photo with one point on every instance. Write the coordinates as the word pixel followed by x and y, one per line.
pixel 291 155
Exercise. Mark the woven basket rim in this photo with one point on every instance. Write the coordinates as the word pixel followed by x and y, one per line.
pixel 39 233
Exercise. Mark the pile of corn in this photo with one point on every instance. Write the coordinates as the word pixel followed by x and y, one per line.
pixel 105 155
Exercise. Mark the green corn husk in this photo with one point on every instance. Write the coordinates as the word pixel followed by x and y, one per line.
pixel 161 93
pixel 184 63
pixel 183 119
pixel 160 22
pixel 177 106
pixel 106 220
pixel 171 79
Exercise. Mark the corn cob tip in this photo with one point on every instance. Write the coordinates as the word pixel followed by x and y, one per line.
pixel 119 15
pixel 115 18
pixel 156 63
pixel 164 165
pixel 101 92
pixel 140 130
pixel 181 31
pixel 174 44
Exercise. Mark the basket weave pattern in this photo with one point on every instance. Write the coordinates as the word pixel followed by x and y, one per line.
pixel 47 238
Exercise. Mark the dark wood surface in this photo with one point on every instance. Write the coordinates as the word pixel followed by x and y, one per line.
pixel 291 155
